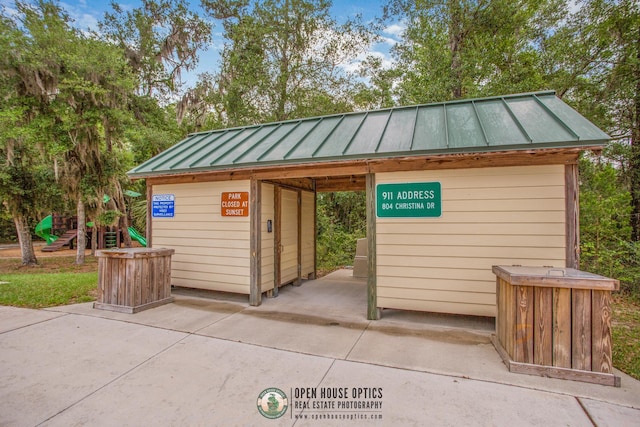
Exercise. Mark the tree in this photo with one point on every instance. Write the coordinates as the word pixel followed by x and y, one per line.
pixel 605 231
pixel 76 89
pixel 594 63
pixel 26 182
pixel 466 48
pixel 161 39
pixel 284 59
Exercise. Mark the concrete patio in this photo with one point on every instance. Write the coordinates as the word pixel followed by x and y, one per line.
pixel 204 359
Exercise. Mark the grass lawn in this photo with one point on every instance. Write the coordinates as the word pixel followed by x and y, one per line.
pixel 56 281
pixel 626 335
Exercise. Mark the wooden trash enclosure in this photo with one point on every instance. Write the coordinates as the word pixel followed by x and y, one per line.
pixel 133 279
pixel 555 322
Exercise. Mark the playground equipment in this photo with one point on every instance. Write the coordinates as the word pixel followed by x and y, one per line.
pixel 107 237
pixel 43 230
pixel 137 236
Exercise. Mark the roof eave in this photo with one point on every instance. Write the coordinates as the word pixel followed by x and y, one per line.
pixel 576 146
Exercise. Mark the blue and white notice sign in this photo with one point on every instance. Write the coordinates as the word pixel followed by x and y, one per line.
pixel 163 205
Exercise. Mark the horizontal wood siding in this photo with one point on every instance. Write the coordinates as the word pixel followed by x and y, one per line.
pixel 268 213
pixel 490 216
pixel 308 233
pixel 211 251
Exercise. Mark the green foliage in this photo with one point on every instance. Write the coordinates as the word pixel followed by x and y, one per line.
pixel 605 207
pixel 108 218
pixel 341 221
pixel 161 39
pixel 457 49
pixel 282 59
pixel 138 211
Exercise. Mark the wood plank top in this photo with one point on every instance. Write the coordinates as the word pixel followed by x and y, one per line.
pixel 134 252
pixel 554 277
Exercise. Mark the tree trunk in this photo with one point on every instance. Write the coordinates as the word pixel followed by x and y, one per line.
pixel 124 220
pixel 24 237
pixel 456 39
pixel 94 239
pixel 82 236
pixel 635 153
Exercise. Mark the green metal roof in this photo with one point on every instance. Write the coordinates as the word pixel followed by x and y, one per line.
pixel 512 122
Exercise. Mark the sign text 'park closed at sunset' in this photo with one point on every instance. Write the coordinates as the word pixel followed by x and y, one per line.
pixel 235 203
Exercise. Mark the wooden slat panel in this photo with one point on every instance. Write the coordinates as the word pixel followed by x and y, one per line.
pixel 601 332
pixel 500 311
pixel 581 329
pixel 562 328
pixel 524 324
pixel 511 304
pixel 543 329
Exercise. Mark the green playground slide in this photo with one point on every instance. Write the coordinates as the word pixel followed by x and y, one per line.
pixel 43 229
pixel 137 236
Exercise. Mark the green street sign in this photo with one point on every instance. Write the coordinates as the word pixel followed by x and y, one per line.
pixel 409 200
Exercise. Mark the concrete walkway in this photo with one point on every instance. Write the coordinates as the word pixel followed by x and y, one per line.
pixel 205 359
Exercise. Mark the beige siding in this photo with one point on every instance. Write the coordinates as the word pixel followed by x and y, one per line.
pixel 211 251
pixel 268 213
pixel 510 215
pixel 289 237
pixel 308 233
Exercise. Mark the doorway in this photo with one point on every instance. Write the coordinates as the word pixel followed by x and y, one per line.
pixel 294 241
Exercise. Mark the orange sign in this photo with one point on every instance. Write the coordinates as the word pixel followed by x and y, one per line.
pixel 235 203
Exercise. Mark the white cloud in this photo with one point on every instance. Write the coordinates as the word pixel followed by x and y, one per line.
pixel 396 30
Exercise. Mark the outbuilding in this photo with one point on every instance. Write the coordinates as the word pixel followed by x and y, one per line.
pixel 452 188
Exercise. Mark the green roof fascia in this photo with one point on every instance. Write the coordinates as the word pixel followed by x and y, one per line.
pixel 346 158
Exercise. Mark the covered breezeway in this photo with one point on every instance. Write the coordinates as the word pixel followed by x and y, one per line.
pixel 452 189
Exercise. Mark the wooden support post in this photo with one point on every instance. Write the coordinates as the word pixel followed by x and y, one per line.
pixel 572 216
pixel 373 313
pixel 298 280
pixel 255 213
pixel 277 239
pixel 315 232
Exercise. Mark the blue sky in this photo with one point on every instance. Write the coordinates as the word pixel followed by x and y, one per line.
pixel 87 13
